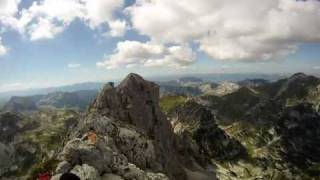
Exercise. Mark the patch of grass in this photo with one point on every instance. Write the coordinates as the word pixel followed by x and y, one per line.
pixel 168 103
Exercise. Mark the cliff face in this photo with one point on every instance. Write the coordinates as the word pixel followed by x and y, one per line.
pixel 136 102
pixel 135 140
pixel 199 124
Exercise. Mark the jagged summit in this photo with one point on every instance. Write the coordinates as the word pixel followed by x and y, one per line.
pixel 130 120
pixel 133 79
pixel 134 100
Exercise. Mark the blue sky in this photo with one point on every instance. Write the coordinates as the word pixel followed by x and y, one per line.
pixel 152 38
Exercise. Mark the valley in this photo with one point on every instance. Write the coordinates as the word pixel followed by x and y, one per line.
pixel 182 129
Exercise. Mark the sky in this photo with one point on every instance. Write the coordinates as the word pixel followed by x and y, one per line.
pixel 56 42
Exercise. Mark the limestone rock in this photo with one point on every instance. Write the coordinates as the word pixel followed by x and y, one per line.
pixel 86 172
pixel 136 101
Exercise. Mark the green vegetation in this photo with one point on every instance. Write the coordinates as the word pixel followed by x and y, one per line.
pixel 233 107
pixel 43 140
pixel 168 103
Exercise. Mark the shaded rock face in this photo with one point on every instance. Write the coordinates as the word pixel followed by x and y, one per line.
pixel 9 126
pixel 200 123
pixel 10 149
pixel 134 135
pixel 8 130
pixel 134 101
pixel 299 129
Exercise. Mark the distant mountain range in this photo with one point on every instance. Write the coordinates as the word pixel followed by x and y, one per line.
pixel 199 130
pixel 184 84
pixel 78 100
pixel 5 96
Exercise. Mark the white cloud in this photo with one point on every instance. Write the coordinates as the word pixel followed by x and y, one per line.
pixel 46 18
pixel 8 11
pixel 61 10
pixel 8 7
pixel 134 53
pixel 230 30
pixel 44 29
pixel 101 11
pixel 3 49
pixel 74 65
pixel 117 28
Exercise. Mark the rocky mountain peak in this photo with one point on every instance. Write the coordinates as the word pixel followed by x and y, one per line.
pixel 135 85
pixel 135 103
pixel 134 100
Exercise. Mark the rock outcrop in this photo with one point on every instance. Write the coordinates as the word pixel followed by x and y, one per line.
pixel 135 140
pixel 136 101
pixel 200 124
pixel 300 135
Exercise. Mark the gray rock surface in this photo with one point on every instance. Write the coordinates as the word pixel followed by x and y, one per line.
pixel 135 141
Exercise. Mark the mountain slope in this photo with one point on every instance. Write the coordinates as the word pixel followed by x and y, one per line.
pixel 276 123
pixel 28 144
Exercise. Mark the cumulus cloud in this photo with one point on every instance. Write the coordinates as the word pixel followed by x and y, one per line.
pixel 224 30
pixel 46 18
pixel 44 29
pixel 230 30
pixel 117 28
pixel 101 11
pixel 8 7
pixel 134 53
pixel 74 65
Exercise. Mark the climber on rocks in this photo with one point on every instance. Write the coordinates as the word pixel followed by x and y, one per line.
pixel 90 137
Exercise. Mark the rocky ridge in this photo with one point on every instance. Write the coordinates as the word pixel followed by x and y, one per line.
pixel 276 123
pixel 135 140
